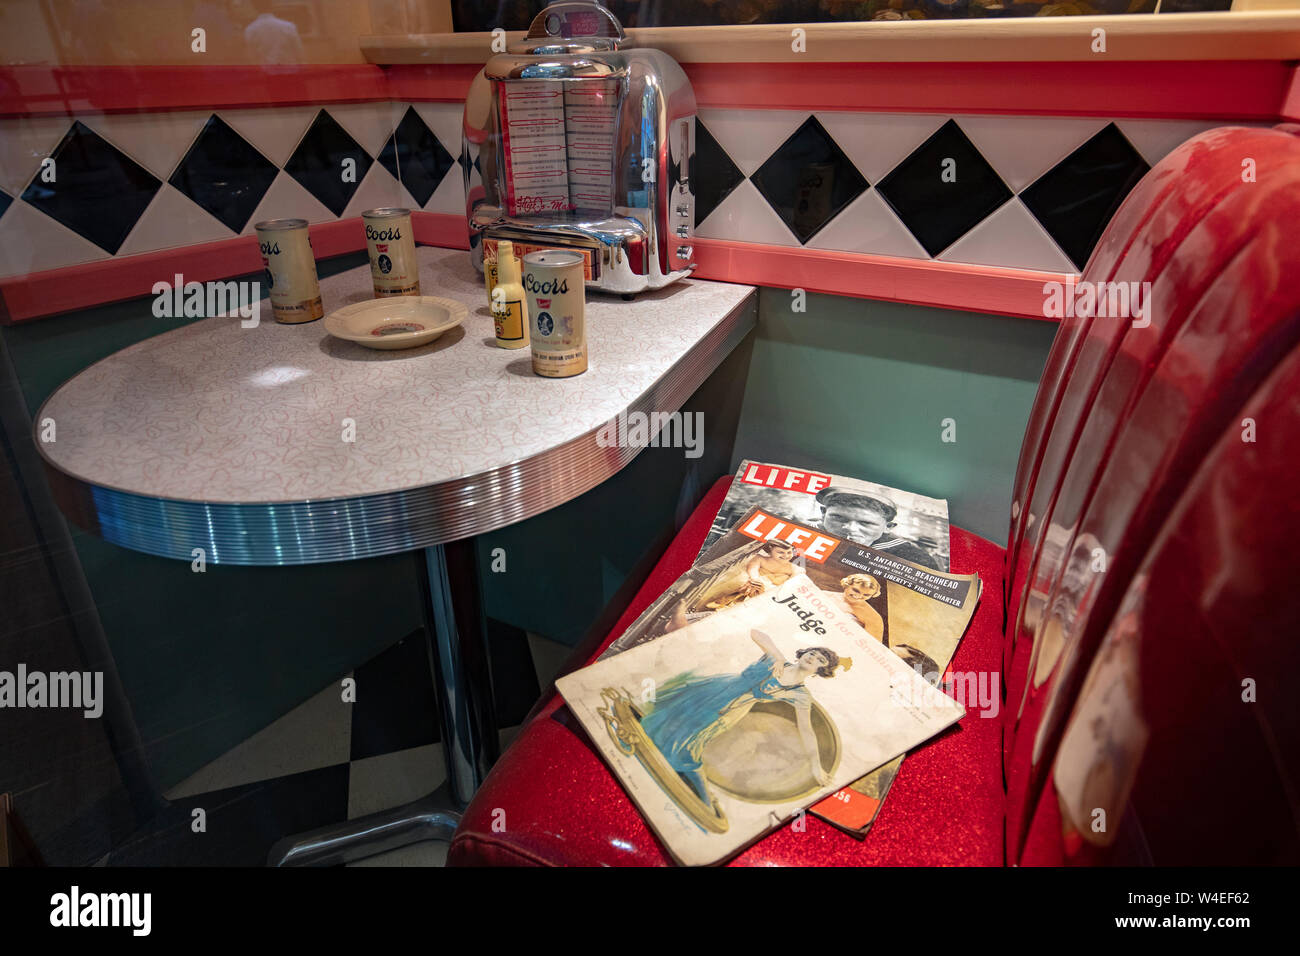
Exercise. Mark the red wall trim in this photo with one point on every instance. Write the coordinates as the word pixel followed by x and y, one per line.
pixel 949 285
pixel 920 282
pixel 1290 108
pixel 41 294
pixel 440 229
pixel 433 82
pixel 59 91
pixel 1245 90
pixel 1215 89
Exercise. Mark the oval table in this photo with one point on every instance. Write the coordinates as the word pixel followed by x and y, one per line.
pixel 279 444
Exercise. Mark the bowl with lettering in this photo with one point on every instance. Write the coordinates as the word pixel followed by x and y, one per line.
pixel 396 322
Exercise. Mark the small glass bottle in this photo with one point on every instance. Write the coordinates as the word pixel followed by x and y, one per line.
pixel 509 312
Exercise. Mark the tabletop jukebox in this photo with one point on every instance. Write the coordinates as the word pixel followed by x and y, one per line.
pixel 572 142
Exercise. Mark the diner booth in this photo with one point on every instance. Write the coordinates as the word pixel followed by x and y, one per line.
pixel 336 559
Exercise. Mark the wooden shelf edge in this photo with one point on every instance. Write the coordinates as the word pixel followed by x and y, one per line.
pixel 1254 35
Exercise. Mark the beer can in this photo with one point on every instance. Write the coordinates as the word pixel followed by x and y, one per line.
pixel 553 283
pixel 391 244
pixel 290 270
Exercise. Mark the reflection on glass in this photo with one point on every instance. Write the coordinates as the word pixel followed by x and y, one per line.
pixel 271 39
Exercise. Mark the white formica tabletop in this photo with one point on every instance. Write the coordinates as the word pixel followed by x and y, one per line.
pixel 218 436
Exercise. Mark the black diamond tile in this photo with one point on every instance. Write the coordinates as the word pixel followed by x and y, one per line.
pixel 939 213
pixel 416 157
pixel 713 175
pixel 317 163
pixel 1075 199
pixel 98 192
pixel 808 180
pixel 5 200
pixel 224 174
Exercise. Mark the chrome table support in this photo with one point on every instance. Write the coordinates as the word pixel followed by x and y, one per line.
pixel 457 639
pixel 425 819
pixel 457 645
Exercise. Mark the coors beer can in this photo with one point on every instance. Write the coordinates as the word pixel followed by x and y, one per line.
pixel 290 270
pixel 553 283
pixel 391 245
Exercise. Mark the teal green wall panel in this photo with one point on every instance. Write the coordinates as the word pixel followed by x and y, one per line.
pixel 862 388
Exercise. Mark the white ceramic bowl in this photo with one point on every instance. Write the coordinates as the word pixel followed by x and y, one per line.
pixel 396 322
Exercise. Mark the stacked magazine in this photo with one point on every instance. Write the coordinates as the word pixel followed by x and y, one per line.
pixel 789 669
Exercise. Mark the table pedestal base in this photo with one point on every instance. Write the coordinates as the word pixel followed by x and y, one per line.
pixel 457 643
pixel 428 818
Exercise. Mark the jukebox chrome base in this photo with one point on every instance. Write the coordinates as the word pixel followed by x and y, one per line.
pixel 623 259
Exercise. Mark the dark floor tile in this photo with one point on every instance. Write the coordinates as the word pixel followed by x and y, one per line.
pixel 514 678
pixel 396 707
pixel 242 823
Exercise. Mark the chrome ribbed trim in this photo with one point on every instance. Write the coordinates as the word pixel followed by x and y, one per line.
pixel 342 529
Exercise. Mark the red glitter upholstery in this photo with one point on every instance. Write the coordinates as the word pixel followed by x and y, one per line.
pixel 563 806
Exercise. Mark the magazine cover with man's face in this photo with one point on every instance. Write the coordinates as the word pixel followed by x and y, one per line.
pixel 724 729
pixel 904 524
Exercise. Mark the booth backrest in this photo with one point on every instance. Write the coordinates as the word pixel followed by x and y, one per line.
pixel 1130 407
pixel 1186 733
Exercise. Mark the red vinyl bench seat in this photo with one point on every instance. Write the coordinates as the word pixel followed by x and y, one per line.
pixel 562 804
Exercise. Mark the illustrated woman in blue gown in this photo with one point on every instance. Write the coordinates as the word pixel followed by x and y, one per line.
pixel 690 711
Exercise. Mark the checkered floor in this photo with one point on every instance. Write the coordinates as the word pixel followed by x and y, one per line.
pixel 329 760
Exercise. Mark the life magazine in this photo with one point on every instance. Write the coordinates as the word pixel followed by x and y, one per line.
pixel 906 525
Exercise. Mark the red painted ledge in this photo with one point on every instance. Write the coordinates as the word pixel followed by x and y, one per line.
pixel 431 82
pixel 1212 89
pixel 1290 109
pixel 61 91
pixel 947 285
pixel 42 294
